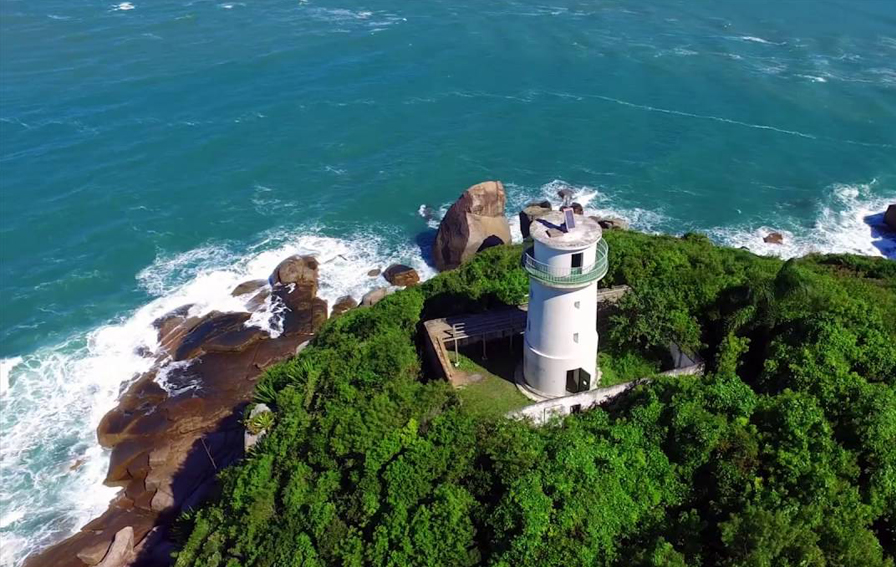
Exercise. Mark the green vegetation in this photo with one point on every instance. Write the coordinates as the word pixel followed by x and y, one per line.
pixel 624 367
pixel 260 422
pixel 784 454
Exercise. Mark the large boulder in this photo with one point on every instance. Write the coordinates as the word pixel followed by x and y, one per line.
pixel 611 223
pixel 401 275
pixel 773 238
pixel 305 312
pixel 343 304
pixel 566 192
pixel 890 217
pixel 374 296
pixel 294 270
pixel 531 213
pixel 474 222
pixel 210 328
pixel 248 287
pixel 121 552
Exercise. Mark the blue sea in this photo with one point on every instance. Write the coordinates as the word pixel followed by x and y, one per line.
pixel 157 153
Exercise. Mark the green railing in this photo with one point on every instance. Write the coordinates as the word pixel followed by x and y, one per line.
pixel 552 275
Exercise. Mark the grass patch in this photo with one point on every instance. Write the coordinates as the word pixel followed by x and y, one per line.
pixel 496 393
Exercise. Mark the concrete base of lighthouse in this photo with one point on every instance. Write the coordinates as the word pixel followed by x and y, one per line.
pixel 552 374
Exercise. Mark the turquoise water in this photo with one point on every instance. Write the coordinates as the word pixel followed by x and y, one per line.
pixel 156 153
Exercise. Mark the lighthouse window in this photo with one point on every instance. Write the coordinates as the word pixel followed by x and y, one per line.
pixel 577 260
pixel 575 337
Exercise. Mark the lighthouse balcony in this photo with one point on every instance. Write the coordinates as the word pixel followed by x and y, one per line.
pixel 567 276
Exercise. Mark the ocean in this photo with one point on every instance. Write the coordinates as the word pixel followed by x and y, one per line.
pixel 154 154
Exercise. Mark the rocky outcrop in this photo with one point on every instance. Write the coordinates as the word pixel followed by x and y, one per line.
pixel 773 238
pixel 611 223
pixel 577 208
pixel 566 192
pixel 531 213
pixel 296 269
pixel 168 443
pixel 474 222
pixel 890 217
pixel 401 275
pixel 343 304
pixel 374 272
pixel 374 296
pixel 248 287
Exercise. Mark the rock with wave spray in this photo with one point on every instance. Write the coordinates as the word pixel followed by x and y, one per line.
pixel 611 223
pixel 473 223
pixel 248 287
pixel 773 238
pixel 401 275
pixel 296 269
pixel 890 217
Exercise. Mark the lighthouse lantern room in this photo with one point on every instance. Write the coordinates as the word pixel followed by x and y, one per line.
pixel 567 259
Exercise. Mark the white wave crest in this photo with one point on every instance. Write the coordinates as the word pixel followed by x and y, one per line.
pixel 849 221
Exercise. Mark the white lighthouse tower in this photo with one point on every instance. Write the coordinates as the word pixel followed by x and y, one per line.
pixel 568 258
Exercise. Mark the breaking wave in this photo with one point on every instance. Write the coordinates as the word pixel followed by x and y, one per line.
pixel 53 399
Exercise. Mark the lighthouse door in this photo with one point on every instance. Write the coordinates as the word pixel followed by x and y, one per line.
pixel 577 380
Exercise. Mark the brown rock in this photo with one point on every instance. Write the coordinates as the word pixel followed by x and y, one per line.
pixel 566 193
pixel 374 296
pixel 124 454
pixel 577 208
pixel 235 341
pixel 374 273
pixel 94 553
pixel 474 222
pixel 162 501
pixel 305 313
pixel 343 304
pixel 611 223
pixel 296 269
pixel 401 275
pixel 530 213
pixel 258 299
pixel 774 238
pixel 122 549
pixel 890 217
pixel 171 320
pixel 248 287
pixel 213 325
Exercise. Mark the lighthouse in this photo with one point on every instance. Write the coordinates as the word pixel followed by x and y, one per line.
pixel 567 259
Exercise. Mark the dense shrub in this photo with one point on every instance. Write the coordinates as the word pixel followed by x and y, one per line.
pixel 783 454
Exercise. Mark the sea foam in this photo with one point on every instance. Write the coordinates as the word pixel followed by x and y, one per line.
pixel 848 220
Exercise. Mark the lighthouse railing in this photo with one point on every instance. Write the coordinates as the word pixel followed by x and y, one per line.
pixel 554 275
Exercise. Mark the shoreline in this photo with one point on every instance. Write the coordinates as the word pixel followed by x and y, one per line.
pixel 218 424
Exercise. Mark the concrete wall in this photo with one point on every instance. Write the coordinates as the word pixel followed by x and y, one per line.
pixel 542 412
